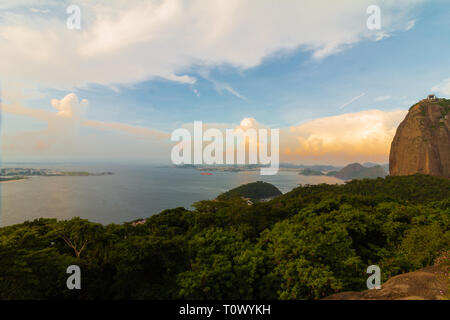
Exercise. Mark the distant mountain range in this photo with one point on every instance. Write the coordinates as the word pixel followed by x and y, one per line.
pixel 315 167
pixel 357 171
pixel 351 171
pixel 385 166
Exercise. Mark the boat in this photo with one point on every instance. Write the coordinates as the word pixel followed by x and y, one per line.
pixel 206 173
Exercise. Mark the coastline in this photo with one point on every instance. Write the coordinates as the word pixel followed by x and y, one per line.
pixel 13 180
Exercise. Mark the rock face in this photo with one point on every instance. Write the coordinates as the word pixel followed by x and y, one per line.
pixel 422 141
pixel 430 283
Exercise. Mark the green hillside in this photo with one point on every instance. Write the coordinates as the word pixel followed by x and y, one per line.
pixel 306 244
pixel 255 191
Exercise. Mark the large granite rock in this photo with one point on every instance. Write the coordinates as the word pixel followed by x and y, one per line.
pixel 422 141
pixel 430 283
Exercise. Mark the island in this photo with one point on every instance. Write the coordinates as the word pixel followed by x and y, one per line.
pixel 252 192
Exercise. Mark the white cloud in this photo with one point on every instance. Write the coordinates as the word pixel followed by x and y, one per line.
pixel 443 87
pixel 410 25
pixel 352 100
pixel 69 107
pixel 36 10
pixel 222 86
pixel 123 42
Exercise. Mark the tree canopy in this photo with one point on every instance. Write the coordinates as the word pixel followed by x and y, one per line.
pixel 309 243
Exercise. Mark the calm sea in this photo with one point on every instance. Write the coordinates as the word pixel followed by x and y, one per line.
pixel 132 192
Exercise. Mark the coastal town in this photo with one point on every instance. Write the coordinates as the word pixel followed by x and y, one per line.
pixel 10 174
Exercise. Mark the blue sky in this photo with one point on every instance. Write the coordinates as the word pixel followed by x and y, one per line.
pixel 279 83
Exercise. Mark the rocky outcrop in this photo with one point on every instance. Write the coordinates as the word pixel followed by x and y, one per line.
pixel 422 141
pixel 431 283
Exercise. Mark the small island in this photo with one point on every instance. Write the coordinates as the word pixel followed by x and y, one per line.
pixel 252 192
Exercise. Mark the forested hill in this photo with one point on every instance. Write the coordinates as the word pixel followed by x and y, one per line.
pixel 255 191
pixel 307 244
pixel 407 189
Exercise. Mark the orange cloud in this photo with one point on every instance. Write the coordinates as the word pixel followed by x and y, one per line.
pixel 361 136
pixel 19 110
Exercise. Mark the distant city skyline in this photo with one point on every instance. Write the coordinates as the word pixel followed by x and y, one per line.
pixel 137 70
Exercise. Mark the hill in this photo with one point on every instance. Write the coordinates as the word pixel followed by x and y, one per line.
pixel 254 191
pixel 430 283
pixel 310 172
pixel 385 166
pixel 357 171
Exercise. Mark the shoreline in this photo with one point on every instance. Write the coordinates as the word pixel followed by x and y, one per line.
pixel 13 180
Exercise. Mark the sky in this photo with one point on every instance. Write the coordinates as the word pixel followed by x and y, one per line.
pixel 115 89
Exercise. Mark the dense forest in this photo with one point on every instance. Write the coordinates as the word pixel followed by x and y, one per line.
pixel 309 243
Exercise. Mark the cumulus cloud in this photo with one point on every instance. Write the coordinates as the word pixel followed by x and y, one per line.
pixel 60 135
pixel 70 107
pixel 361 136
pixel 247 123
pixel 123 42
